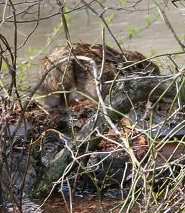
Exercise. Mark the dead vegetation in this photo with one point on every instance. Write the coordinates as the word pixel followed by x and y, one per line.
pixel 128 133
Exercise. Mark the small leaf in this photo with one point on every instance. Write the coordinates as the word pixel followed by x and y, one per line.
pixel 29 65
pixel 24 78
pixel 153 51
pixel 148 19
pixel 55 30
pixel 107 44
pixel 102 25
pixel 67 16
pixel 29 49
pixel 176 55
pixel 172 66
pixel 4 65
pixel 157 16
pixel 60 25
pixel 35 50
pixel 131 31
pixel 135 48
pixel 122 2
pixel 21 73
pixel 28 57
pixel 24 86
pixel 109 18
pixel 21 67
pixel 67 8
pixel 139 28
pixel 45 52
pixel 120 39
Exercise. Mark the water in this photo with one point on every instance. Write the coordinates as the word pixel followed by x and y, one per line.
pixel 86 26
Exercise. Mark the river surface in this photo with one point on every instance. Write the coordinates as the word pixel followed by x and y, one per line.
pixel 86 26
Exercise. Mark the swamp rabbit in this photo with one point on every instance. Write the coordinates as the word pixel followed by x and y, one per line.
pixel 78 75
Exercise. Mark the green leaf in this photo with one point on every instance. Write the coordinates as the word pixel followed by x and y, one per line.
pixel 131 31
pixel 4 65
pixel 28 57
pixel 29 49
pixel 177 55
pixel 29 65
pixel 35 50
pixel 122 2
pixel 24 78
pixel 157 16
pixel 67 8
pixel 21 73
pixel 120 39
pixel 56 30
pixel 107 44
pixel 139 28
pixel 109 18
pixel 67 16
pixel 148 19
pixel 45 52
pixel 48 38
pixel 172 66
pixel 60 25
pixel 135 48
pixel 21 67
pixel 153 51
pixel 102 25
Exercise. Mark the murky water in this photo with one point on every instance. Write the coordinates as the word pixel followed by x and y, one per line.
pixel 86 26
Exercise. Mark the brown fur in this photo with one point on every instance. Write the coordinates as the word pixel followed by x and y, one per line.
pixel 79 75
